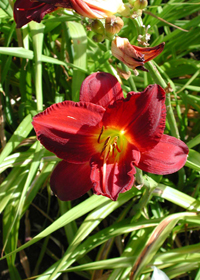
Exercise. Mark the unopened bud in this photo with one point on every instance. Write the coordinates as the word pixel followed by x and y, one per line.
pixel 113 25
pixel 136 14
pixel 97 26
pixel 98 38
pixel 138 4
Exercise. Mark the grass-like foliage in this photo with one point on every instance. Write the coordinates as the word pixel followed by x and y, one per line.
pixel 154 227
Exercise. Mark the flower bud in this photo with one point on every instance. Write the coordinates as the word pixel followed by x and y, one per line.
pixel 113 25
pixel 136 14
pixel 138 4
pixel 97 26
pixel 98 38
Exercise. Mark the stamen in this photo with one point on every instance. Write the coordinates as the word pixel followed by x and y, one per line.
pixel 107 140
pixel 118 148
pixel 100 135
pixel 113 151
pixel 108 152
pixel 104 177
pixel 115 144
pixel 105 145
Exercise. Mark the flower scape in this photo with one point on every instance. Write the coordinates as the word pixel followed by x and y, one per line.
pixel 102 138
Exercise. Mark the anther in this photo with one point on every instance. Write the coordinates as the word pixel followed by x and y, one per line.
pixel 115 144
pixel 98 140
pixel 105 144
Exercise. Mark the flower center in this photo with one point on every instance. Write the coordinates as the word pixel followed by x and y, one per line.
pixel 112 144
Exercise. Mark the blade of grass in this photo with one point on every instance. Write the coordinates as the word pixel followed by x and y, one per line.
pixel 79 38
pixel 76 212
pixel 23 53
pixel 88 225
pixel 156 239
pixel 33 169
pixel 20 134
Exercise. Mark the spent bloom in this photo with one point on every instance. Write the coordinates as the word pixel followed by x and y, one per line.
pixel 133 56
pixel 104 136
pixel 28 10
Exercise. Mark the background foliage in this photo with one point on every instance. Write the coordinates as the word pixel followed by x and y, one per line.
pixel 93 237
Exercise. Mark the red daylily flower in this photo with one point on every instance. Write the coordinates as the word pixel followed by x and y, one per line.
pixel 28 10
pixel 96 8
pixel 133 56
pixel 102 137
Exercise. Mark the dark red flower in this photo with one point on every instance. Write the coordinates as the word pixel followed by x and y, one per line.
pixel 102 137
pixel 27 10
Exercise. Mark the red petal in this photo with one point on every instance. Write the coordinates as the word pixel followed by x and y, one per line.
pixel 167 157
pixel 101 88
pixel 58 3
pixel 70 181
pixel 26 10
pixel 70 129
pixel 150 53
pixel 83 9
pixel 141 116
pixel 117 177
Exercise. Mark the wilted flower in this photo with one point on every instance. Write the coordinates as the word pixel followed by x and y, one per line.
pixel 102 137
pixel 133 56
pixel 28 10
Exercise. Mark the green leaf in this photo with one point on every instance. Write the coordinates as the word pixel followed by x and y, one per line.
pixel 79 39
pixel 5 6
pixel 23 53
pixel 193 160
pixel 20 134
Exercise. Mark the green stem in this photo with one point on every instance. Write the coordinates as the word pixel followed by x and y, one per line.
pixel 160 81
pixel 130 79
pixel 155 74
pixel 37 31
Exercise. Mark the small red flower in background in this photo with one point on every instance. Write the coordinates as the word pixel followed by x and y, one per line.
pixel 28 10
pixel 102 137
pixel 133 56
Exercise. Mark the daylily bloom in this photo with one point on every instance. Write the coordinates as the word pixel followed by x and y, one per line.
pixel 97 8
pixel 133 56
pixel 104 136
pixel 27 10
